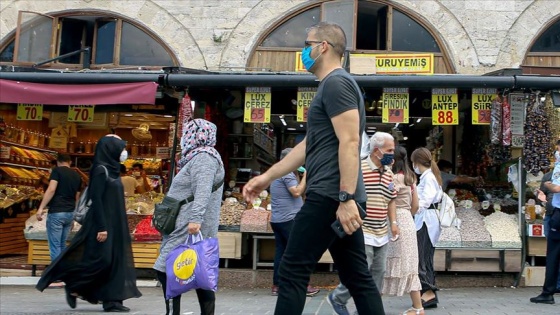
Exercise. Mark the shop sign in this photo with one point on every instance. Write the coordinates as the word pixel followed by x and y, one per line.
pixel 30 112
pixel 163 152
pixel 81 113
pixel 257 105
pixel 445 106
pixel 482 105
pixel 304 98
pixel 517 102
pixel 395 105
pixel 394 63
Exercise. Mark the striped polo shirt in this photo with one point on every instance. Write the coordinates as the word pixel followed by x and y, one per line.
pixel 380 191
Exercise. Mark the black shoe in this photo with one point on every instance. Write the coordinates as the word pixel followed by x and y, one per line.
pixel 117 308
pixel 544 299
pixel 70 299
pixel 430 304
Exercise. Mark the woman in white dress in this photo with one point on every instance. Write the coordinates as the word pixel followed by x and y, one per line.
pixel 402 258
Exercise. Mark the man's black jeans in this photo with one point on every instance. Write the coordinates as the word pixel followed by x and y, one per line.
pixel 311 236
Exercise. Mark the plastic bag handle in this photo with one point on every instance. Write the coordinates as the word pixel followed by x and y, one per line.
pixel 194 238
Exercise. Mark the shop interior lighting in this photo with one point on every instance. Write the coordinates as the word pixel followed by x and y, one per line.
pixel 418 120
pixel 193 104
pixel 301 125
pixel 396 126
pixel 282 120
pixel 405 138
pixel 127 115
pixel 291 129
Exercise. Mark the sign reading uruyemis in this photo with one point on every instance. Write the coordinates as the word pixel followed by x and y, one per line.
pixel 445 106
pixel 257 105
pixel 29 112
pixel 395 105
pixel 482 99
pixel 81 113
pixel 304 97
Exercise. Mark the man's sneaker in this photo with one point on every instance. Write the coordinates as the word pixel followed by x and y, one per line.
pixel 338 308
pixel 312 291
pixel 274 291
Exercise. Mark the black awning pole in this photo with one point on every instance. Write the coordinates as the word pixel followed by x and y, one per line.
pixel 85 62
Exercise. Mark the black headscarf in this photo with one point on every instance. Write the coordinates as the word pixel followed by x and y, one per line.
pixel 107 153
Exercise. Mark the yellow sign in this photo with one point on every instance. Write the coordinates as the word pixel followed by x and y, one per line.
pixel 401 63
pixel 30 112
pixel 184 264
pixel 482 105
pixel 395 105
pixel 445 107
pixel 304 98
pixel 257 105
pixel 81 113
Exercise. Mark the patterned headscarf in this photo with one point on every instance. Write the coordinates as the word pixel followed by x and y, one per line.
pixel 199 137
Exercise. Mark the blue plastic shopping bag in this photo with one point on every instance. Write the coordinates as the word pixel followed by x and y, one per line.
pixel 193 265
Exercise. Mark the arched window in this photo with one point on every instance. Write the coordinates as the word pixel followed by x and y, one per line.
pixel 378 26
pixel 371 26
pixel 114 41
pixel 549 40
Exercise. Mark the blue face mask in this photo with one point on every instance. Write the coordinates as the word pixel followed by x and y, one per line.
pixel 306 59
pixel 387 158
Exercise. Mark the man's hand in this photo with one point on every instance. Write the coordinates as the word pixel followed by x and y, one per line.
pixel 39 215
pixel 255 186
pixel 349 216
pixel 540 195
pixel 102 236
pixel 193 228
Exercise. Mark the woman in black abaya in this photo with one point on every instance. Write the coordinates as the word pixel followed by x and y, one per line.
pixel 98 264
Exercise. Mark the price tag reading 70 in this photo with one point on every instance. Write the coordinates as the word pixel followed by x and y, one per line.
pixel 81 113
pixel 29 112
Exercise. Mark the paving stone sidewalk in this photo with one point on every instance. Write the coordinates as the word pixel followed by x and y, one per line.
pixel 19 300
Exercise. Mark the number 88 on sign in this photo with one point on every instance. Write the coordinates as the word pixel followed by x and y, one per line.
pixel 445 107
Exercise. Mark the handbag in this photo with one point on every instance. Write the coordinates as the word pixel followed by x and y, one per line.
pixel 446 212
pixel 165 213
pixel 84 203
pixel 193 265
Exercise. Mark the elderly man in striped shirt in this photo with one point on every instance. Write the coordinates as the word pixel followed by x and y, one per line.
pixel 381 210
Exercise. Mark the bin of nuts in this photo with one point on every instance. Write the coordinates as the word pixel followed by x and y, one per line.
pixel 230 214
pixel 255 220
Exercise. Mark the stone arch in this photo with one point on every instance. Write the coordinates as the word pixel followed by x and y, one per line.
pixel 245 36
pixel 147 13
pixel 530 23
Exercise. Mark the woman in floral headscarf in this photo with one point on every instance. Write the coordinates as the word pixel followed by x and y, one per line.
pixel 201 169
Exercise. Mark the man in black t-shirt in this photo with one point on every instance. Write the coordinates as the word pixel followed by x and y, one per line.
pixel 61 197
pixel 331 154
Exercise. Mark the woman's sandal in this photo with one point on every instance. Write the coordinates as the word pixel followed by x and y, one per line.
pixel 418 311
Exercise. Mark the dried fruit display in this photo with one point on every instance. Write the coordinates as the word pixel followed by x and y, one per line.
pixel 473 231
pixel 504 230
pixel 231 212
pixel 255 220
pixel 450 237
pixel 538 136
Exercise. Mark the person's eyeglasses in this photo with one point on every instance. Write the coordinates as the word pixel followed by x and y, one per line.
pixel 311 42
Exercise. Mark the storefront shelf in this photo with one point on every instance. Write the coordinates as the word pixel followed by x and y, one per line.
pixel 27 146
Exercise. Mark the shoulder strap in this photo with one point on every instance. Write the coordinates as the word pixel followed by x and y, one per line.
pixel 106 172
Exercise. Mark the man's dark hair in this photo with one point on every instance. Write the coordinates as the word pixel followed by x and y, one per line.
pixel 63 158
pixel 139 165
pixel 332 33
pixel 444 164
pixel 53 163
pixel 123 169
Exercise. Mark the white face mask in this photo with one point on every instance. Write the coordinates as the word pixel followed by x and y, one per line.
pixel 416 170
pixel 124 156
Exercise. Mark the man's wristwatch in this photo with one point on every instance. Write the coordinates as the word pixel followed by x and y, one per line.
pixel 344 196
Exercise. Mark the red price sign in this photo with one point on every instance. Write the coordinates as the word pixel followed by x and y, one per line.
pixel 305 111
pixel 396 115
pixel 257 115
pixel 445 117
pixel 484 116
pixel 81 113
pixel 30 112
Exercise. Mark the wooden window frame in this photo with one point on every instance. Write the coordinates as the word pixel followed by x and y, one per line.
pixel 56 34
pixel 18 38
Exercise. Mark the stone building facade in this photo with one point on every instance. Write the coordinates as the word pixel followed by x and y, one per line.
pixel 478 36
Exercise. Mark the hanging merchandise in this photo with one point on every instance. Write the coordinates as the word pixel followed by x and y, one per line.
pixel 185 113
pixel 474 159
pixel 538 136
pixel 553 117
pixel 498 154
pixel 496 122
pixel 506 123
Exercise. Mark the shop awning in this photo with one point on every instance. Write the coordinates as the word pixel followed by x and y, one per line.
pixel 77 94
